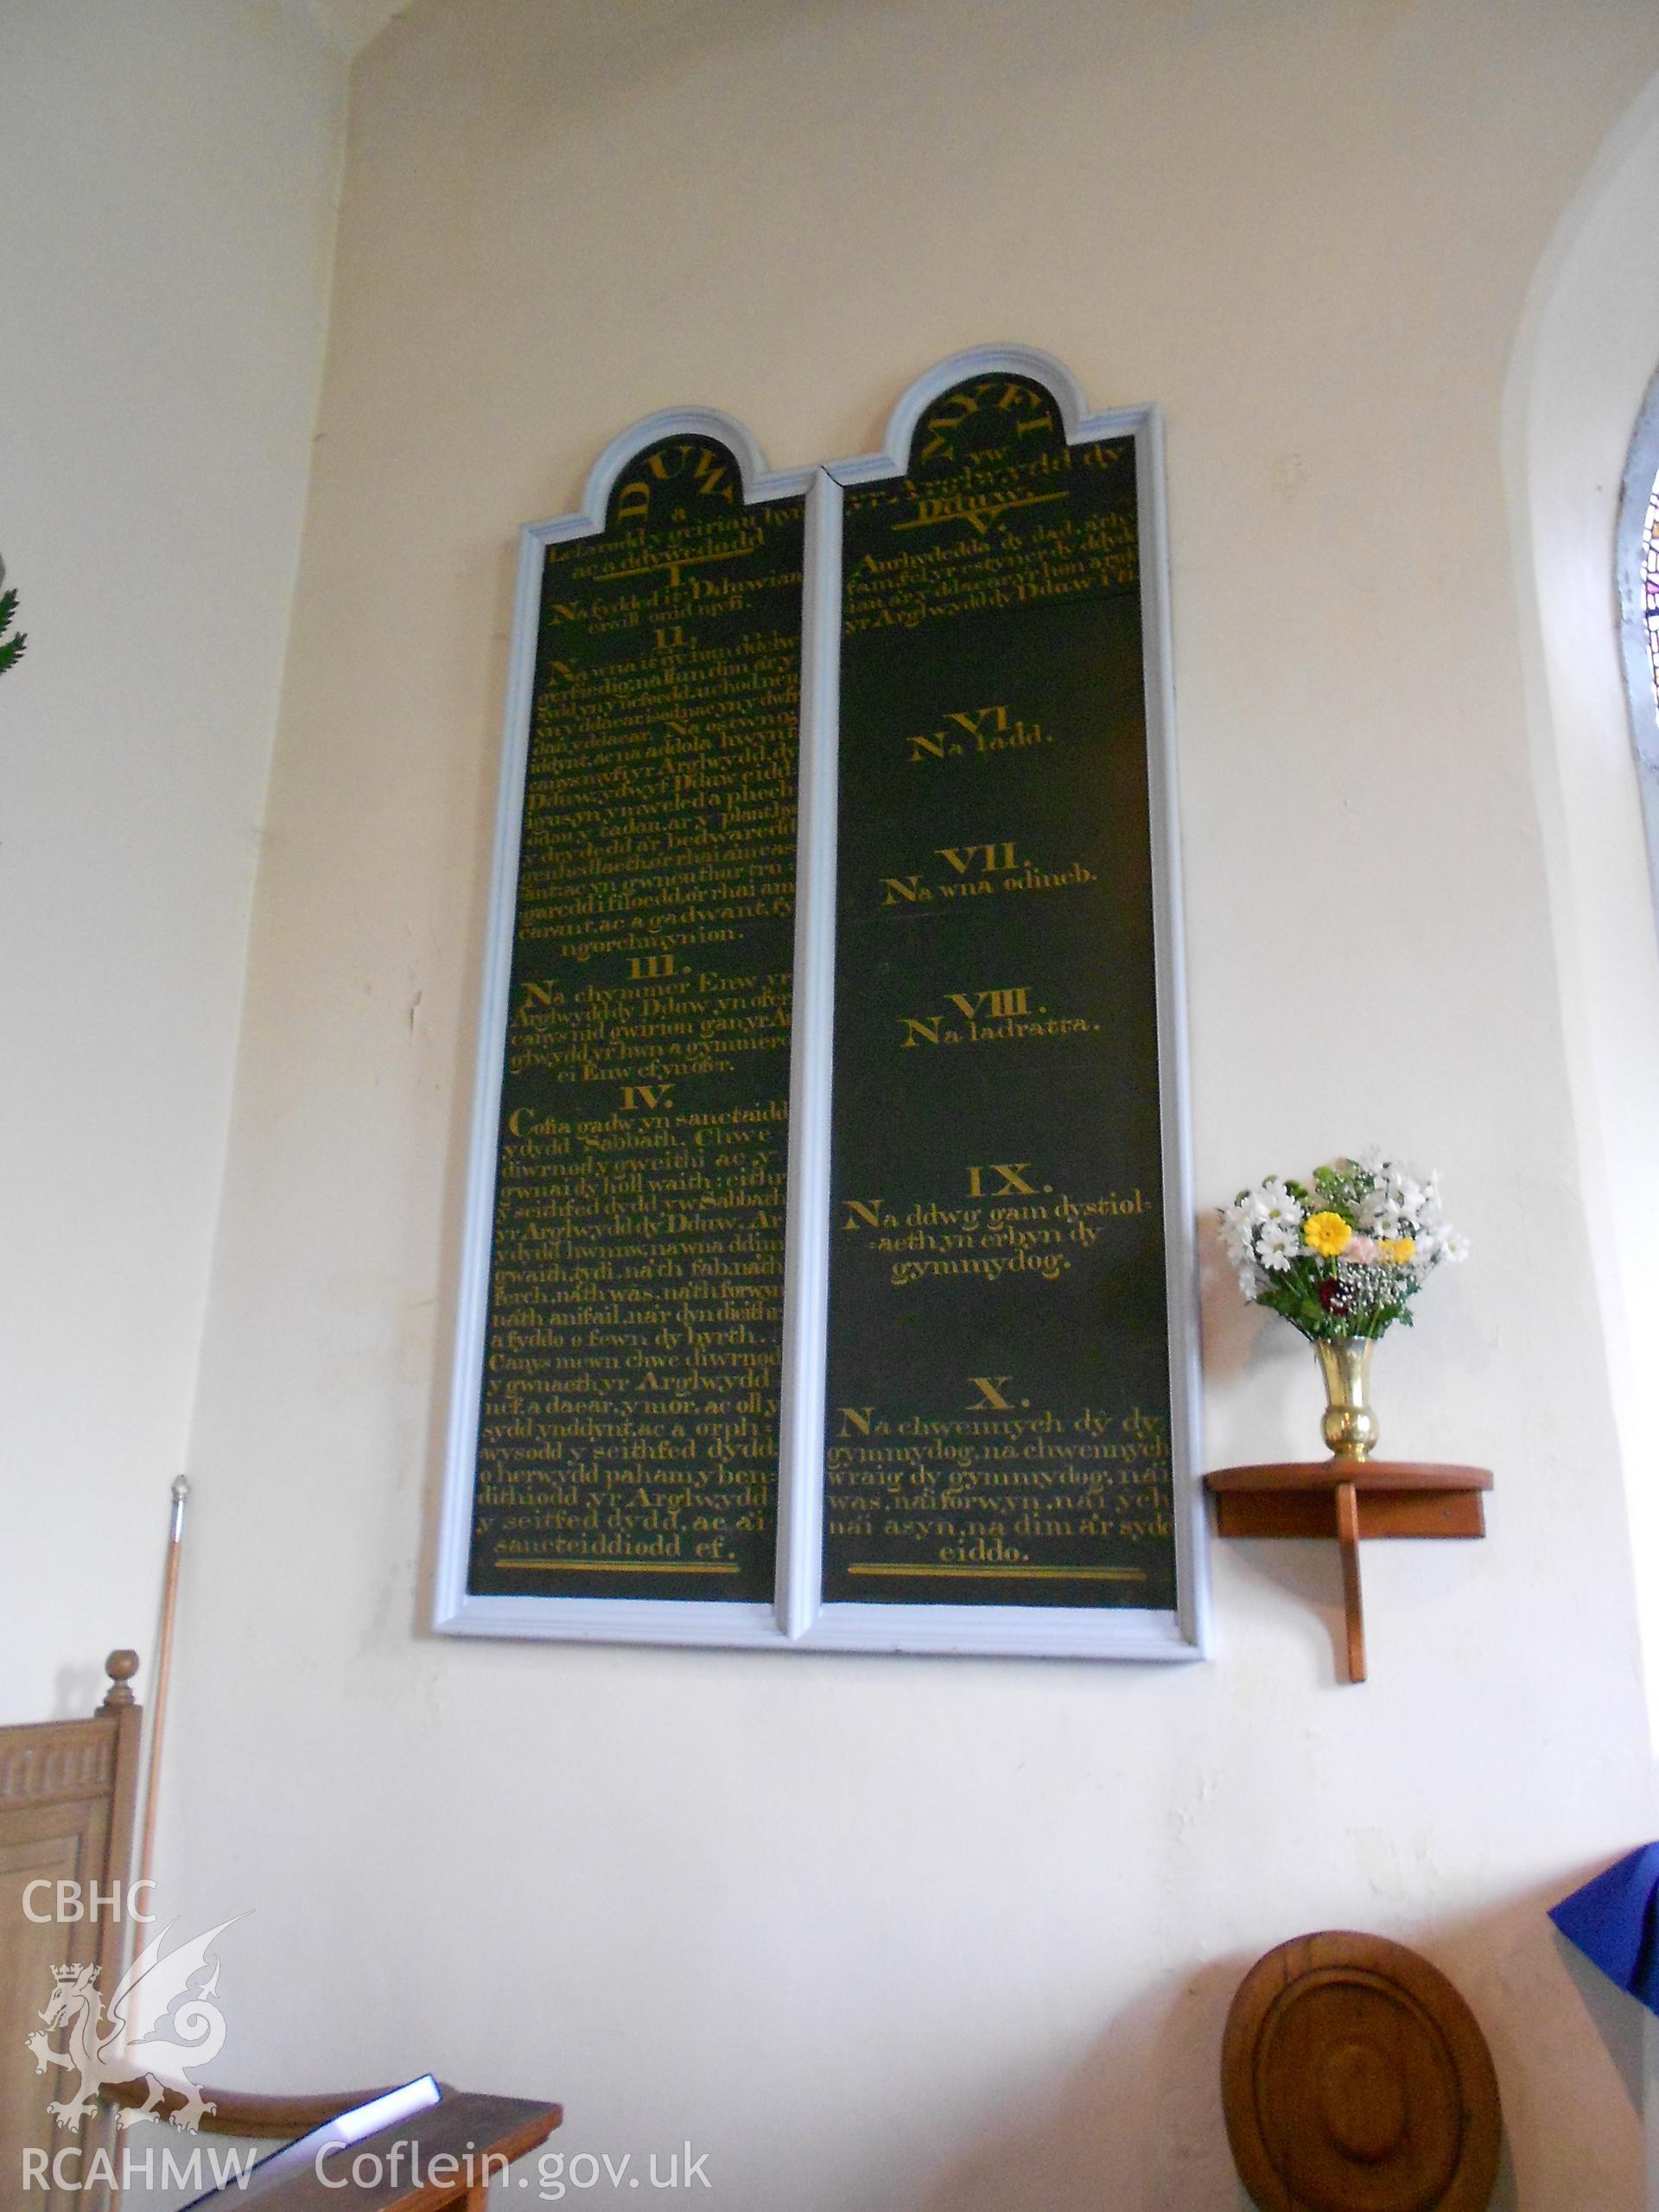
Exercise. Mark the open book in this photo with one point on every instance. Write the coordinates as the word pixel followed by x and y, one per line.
pixel 344 2129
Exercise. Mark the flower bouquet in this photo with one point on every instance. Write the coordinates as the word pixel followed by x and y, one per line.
pixel 1344 1254
pixel 1341 1258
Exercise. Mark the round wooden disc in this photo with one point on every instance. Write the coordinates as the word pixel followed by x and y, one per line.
pixel 1355 2079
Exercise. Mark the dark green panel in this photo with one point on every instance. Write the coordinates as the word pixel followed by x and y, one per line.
pixel 998 1393
pixel 628 1432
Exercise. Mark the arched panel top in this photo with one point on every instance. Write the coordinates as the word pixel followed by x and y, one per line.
pixel 672 482
pixel 674 438
pixel 998 368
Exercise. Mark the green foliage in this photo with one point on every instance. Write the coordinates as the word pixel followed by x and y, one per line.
pixel 1342 1187
pixel 1328 1300
pixel 11 649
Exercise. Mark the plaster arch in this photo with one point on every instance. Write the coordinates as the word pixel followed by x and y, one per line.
pixel 1586 348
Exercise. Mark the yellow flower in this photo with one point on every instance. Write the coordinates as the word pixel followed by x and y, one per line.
pixel 1397 1250
pixel 1326 1234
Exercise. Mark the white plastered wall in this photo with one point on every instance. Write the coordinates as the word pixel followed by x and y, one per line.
pixel 1588 348
pixel 169 178
pixel 887 1934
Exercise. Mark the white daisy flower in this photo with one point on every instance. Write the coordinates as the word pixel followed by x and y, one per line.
pixel 1380 1216
pixel 1412 1194
pixel 1278 1204
pixel 1277 1242
pixel 1237 1236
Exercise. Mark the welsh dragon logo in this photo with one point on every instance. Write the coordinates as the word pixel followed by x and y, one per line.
pixel 157 2029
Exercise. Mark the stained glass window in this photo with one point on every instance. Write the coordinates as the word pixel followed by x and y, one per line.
pixel 1638 576
pixel 1637 568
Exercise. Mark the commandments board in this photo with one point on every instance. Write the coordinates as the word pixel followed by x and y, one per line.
pixel 628 1430
pixel 828 1280
pixel 998 1396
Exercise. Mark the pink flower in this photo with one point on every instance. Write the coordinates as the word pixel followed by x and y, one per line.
pixel 1362 1249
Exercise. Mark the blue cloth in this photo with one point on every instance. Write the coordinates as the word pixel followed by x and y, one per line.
pixel 1612 1921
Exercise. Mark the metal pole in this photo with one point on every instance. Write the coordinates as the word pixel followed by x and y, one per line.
pixel 163 1668
pixel 180 1493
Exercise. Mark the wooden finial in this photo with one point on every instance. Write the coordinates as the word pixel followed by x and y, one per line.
pixel 120 1667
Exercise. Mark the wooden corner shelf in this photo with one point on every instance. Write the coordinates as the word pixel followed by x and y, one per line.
pixel 1350 1500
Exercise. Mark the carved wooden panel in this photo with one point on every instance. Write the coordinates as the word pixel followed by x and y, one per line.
pixel 71 1758
pixel 68 1798
pixel 1356 2079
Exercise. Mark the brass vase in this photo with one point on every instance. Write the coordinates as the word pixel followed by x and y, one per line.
pixel 1349 1426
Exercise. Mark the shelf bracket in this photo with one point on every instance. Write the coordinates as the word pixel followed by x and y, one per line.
pixel 1351 1500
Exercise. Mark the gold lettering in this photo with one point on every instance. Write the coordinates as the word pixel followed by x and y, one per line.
pixel 910 886
pixel 975 721
pixel 991 858
pixel 713 478
pixel 989 1388
pixel 1012 1179
pixel 946 419
pixel 1022 395
pixel 1000 1006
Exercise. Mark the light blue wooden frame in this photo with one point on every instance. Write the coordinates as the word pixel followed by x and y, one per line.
pixel 798 1619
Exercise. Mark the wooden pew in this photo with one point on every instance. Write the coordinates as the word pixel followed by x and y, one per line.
pixel 68 1791
pixel 68 1799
